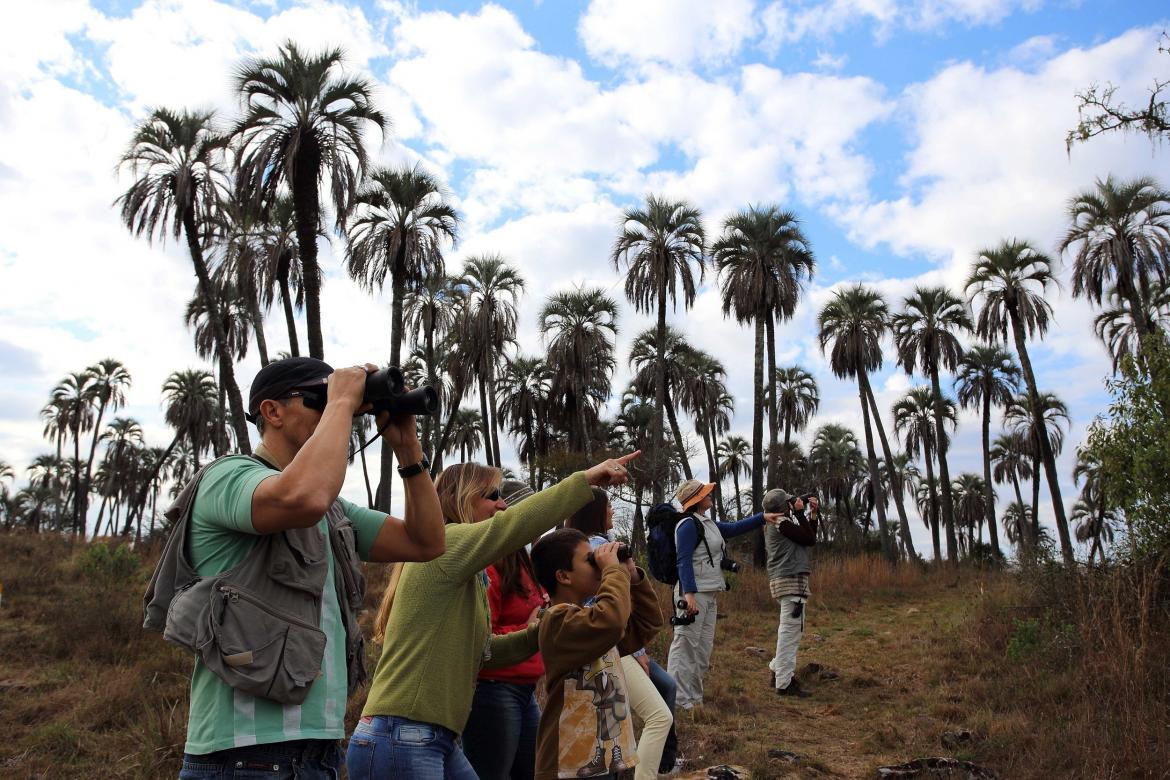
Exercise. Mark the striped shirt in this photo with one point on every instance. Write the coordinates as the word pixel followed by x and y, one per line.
pixel 796 585
pixel 221 535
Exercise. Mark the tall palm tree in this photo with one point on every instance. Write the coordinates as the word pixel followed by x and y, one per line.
pixel 797 398
pixel 763 258
pixel 466 435
pixel 1011 461
pixel 1094 523
pixel 77 392
pixel 987 376
pixel 279 274
pixel 839 465
pixel 525 387
pixel 240 231
pixel 735 454
pixel 661 244
pixel 1012 280
pixel 1121 234
pixel 1117 325
pixel 110 379
pixel 704 395
pixel 971 506
pixel 850 330
pixel 176 159
pixel 915 421
pixel 304 122
pixel 1021 415
pixel 121 435
pixel 429 313
pixel 644 360
pixel 1017 523
pixel 926 336
pixel 490 290
pixel 579 328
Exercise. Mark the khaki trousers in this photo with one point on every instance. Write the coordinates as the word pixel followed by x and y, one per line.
pixel 690 652
pixel 656 718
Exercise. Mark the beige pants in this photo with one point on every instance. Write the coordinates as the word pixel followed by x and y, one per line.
pixel 690 651
pixel 656 718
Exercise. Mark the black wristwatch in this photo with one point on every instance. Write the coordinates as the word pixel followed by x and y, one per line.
pixel 406 472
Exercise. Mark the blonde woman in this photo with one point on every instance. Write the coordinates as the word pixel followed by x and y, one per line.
pixel 436 630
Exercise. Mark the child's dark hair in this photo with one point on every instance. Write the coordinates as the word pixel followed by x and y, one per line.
pixel 590 519
pixel 554 552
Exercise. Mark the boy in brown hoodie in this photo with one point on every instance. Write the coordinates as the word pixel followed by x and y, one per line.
pixel 585 729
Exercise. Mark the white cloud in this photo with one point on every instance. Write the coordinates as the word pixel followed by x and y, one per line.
pixel 666 31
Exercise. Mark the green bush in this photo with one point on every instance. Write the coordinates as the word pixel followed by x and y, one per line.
pixel 1025 638
pixel 108 565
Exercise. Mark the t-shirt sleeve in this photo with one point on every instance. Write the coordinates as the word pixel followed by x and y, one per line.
pixel 367 524
pixel 224 499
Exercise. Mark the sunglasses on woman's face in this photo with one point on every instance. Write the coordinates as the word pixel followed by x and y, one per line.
pixel 493 496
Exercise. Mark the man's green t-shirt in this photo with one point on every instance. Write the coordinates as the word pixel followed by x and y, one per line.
pixel 220 536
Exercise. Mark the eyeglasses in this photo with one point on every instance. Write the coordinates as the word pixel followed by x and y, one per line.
pixel 493 496
pixel 312 399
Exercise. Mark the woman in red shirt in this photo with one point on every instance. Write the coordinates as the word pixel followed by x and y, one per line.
pixel 500 737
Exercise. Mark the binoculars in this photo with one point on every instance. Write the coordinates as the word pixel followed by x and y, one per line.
pixel 623 555
pixel 727 564
pixel 685 619
pixel 386 392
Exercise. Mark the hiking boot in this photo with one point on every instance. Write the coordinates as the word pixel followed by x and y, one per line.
pixel 615 761
pixel 793 689
pixel 594 767
pixel 771 678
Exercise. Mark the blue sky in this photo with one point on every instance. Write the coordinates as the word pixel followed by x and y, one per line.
pixel 907 134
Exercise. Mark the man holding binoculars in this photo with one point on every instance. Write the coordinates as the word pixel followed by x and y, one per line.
pixel 788 543
pixel 270 535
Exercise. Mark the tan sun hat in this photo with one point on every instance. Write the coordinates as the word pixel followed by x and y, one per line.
pixel 692 492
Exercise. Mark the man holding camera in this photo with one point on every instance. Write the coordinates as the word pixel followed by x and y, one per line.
pixel 276 548
pixel 788 543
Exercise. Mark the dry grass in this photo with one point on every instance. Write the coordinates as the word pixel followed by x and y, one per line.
pixel 84 692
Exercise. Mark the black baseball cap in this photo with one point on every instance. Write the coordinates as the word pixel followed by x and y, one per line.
pixel 280 377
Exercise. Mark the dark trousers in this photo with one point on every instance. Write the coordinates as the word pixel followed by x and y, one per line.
pixel 500 737
pixel 667 689
pixel 302 759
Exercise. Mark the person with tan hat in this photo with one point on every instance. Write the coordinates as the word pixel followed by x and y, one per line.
pixel 699 542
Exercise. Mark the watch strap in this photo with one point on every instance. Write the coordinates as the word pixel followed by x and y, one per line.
pixel 414 469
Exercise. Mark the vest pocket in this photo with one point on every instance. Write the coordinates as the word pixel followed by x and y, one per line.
pixel 261 650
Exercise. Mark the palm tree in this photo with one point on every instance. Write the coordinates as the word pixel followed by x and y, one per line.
pixel 579 328
pixel 304 122
pixel 1094 522
pixel 987 375
pixel 279 274
pixel 121 435
pixel 1017 523
pixel 797 398
pixel 466 434
pixel 763 259
pixel 926 336
pixel 429 313
pixel 176 161
pixel 1117 326
pixel 525 388
pixel 110 379
pixel 77 392
pixel 1020 416
pixel 490 290
pixel 1011 461
pixel 1012 279
pixel 853 323
pixel 736 459
pixel 971 506
pixel 631 429
pixel 836 460
pixel 644 360
pixel 704 395
pixel 915 421
pixel 661 245
pixel 1121 232
pixel 241 230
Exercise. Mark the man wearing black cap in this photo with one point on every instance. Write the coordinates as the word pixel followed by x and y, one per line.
pixel 304 412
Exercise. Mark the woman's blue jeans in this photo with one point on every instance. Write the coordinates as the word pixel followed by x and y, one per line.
pixel 500 737
pixel 386 746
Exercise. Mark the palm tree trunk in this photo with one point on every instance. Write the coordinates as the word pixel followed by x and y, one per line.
pixel 1045 446
pixel 944 472
pixel 495 426
pixel 989 494
pixel 258 329
pixel 366 477
pixel 932 520
pixel 896 485
pixel 879 498
pixel 713 468
pixel 307 215
pixel 658 471
pixel 759 555
pixel 484 422
pixel 78 521
pixel 227 374
pixel 429 437
pixel 456 399
pixel 738 497
pixel 1035 501
pixel 678 439
pixel 290 322
pixel 638 532
pixel 386 460
pixel 773 419
pixel 153 474
pixel 97 429
pixel 579 398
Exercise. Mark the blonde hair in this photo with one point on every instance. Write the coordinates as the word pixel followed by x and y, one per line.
pixel 459 487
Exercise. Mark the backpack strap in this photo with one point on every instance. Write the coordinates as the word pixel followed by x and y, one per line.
pixel 702 535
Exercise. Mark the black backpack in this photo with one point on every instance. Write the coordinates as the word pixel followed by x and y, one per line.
pixel 662 553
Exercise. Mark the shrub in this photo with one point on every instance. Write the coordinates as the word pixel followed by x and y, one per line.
pixel 108 565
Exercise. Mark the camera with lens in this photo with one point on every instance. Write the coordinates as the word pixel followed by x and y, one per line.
pixel 684 619
pixel 386 392
pixel 727 564
pixel 623 554
pixel 805 498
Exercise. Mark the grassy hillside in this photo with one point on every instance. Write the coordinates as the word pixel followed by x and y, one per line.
pixel 896 659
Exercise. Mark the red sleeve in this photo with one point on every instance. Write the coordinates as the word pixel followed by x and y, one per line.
pixel 496 605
